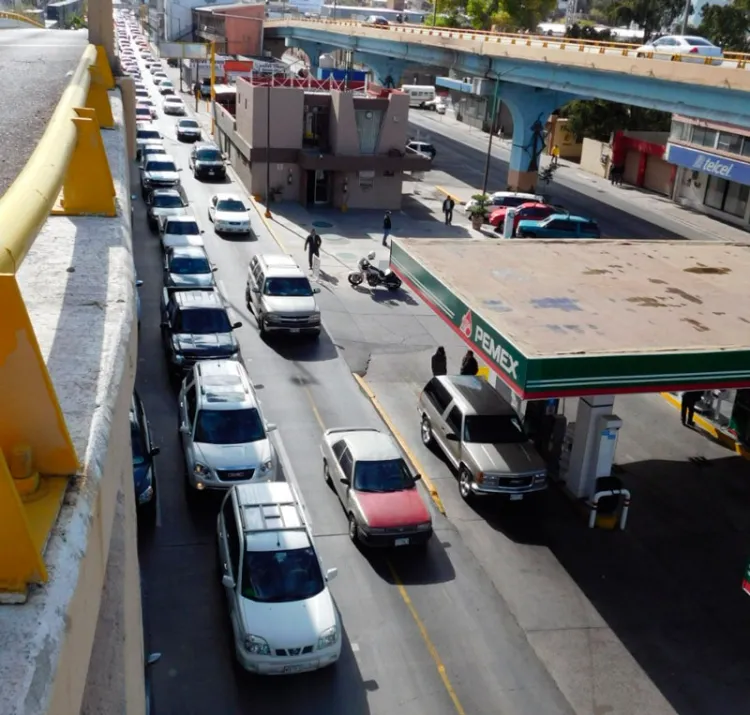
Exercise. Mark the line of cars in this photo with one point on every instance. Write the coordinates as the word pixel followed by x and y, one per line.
pixel 283 617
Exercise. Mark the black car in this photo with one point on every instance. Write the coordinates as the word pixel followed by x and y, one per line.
pixel 164 202
pixel 207 162
pixel 188 267
pixel 144 467
pixel 195 326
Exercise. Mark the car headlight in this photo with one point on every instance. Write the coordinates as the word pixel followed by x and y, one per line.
pixel 267 466
pixel 426 526
pixel 271 318
pixel 541 477
pixel 201 470
pixel 314 318
pixel 256 645
pixel 147 180
pixel 328 637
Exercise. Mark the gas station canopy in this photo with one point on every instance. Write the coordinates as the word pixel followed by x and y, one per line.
pixel 557 318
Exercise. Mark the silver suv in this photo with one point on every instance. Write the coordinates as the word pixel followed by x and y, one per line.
pixel 224 436
pixel 280 295
pixel 482 437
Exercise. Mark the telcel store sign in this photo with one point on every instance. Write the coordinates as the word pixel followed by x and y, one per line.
pixel 697 160
pixel 709 165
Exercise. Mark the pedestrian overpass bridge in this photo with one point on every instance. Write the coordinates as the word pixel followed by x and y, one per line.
pixel 537 74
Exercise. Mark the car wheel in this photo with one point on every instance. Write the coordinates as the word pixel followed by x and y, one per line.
pixel 262 326
pixel 327 473
pixel 353 531
pixel 426 432
pixel 464 485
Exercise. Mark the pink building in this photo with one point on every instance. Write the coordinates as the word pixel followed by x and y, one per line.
pixel 236 29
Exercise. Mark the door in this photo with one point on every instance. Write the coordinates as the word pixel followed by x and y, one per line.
pixel 231 563
pixel 455 423
pixel 310 188
pixel 256 294
pixel 346 469
pixel 187 419
pixel 321 187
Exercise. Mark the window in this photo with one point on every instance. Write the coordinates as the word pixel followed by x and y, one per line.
pixel 182 228
pixel 138 443
pixel 680 131
pixel 230 528
pixel 203 321
pixel 208 155
pixel 704 137
pixel 229 426
pixel 560 224
pixel 338 449
pixel 190 403
pixel 715 192
pixel 167 201
pixel 389 475
pixel 438 395
pixel 288 287
pixel 727 196
pixel 494 429
pixel 230 205
pixel 731 143
pixel 454 420
pixel 281 576
pixel 346 463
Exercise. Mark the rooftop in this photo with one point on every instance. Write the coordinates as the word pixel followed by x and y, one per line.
pixel 544 308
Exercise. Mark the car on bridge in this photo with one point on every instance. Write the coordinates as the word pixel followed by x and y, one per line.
pixel 559 225
pixel 687 48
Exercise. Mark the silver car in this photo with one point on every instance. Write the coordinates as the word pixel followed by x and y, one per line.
pixel 482 436
pixel 224 436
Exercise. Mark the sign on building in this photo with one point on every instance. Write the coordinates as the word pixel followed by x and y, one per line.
pixel 183 50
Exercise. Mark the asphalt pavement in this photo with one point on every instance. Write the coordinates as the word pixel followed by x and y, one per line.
pixel 423 633
pixel 35 65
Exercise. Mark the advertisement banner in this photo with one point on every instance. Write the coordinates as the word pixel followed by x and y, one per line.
pixel 183 50
pixel 237 68
pixel 706 163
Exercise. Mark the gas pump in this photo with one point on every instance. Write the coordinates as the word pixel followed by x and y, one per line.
pixel 510 221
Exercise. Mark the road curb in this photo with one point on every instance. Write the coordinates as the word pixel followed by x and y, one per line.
pixel 720 436
pixel 457 199
pixel 431 488
pixel 267 224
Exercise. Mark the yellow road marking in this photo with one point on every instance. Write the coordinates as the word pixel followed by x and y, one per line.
pixel 267 224
pixel 427 641
pixel 457 199
pixel 431 488
pixel 431 649
pixel 721 437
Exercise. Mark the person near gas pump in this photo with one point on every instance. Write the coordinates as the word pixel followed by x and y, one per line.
pixel 469 364
pixel 687 408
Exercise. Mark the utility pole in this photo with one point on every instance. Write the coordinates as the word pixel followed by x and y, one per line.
pixel 213 82
pixel 268 149
pixel 492 133
pixel 434 12
pixel 685 17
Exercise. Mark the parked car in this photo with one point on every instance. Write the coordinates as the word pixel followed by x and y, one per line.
pixel 162 203
pixel 142 113
pixel 229 214
pixel 166 87
pixel 179 231
pixel 482 437
pixel 438 105
pixel 687 47
pixel 225 438
pixel 507 198
pixel 425 148
pixel 145 133
pixel 188 130
pixel 284 619
pixel 173 106
pixel 207 162
pixel 187 267
pixel 379 493
pixel 559 225
pixel 144 451
pixel 531 210
pixel 159 172
pixel 196 326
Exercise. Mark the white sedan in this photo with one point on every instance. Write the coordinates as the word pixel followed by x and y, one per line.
pixel 506 198
pixel 687 47
pixel 229 214
pixel 173 105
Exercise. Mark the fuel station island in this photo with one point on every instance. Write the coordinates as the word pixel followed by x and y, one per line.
pixel 589 319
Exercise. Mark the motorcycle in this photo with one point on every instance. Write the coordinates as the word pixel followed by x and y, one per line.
pixel 373 275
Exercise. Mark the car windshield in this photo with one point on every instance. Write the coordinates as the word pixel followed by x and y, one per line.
pixel 189 265
pixel 168 201
pixel 148 134
pixel 493 429
pixel 208 155
pixel 190 123
pixel 230 205
pixel 203 321
pixel 388 475
pixel 281 576
pixel 136 440
pixel 142 110
pixel 183 228
pixel 160 165
pixel 229 426
pixel 512 201
pixel 298 287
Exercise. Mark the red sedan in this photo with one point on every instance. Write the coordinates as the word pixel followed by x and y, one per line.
pixel 530 210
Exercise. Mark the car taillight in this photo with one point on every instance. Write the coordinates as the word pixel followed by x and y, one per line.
pixel 693 50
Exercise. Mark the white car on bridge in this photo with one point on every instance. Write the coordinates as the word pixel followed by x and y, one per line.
pixel 687 47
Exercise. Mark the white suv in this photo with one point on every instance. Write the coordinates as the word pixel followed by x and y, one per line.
pixel 224 436
pixel 283 616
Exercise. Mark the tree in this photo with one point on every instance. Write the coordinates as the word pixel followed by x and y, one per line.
pixel 650 15
pixel 598 119
pixel 509 14
pixel 448 14
pixel 726 26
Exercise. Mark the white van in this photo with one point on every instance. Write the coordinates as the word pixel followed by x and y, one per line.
pixel 419 94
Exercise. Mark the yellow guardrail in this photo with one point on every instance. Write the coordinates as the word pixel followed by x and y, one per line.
pixel 626 49
pixel 67 174
pixel 20 18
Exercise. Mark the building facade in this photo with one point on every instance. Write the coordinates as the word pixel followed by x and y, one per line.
pixel 235 29
pixel 713 163
pixel 337 148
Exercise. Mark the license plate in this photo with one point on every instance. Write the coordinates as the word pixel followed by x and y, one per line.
pixel 292 668
pixel 516 497
pixel 211 172
pixel 401 542
pixel 293 330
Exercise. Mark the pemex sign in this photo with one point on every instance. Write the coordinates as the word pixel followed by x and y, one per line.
pixel 483 338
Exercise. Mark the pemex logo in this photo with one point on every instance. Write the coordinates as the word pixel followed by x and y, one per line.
pixel 466 325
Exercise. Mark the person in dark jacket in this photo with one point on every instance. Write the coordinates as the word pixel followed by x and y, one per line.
pixel 448 205
pixel 312 244
pixel 469 365
pixel 687 409
pixel 439 362
pixel 386 227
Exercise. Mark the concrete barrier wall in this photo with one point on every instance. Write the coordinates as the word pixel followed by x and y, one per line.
pixel 76 645
pixel 591 157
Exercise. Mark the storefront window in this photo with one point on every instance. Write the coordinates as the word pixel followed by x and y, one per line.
pixel 680 131
pixel 704 137
pixel 715 193
pixel 746 146
pixel 731 143
pixel 727 196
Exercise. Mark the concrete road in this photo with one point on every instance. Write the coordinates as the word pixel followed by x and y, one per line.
pixel 416 628
pixel 35 65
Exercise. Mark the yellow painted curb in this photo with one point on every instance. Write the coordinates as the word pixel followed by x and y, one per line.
pixel 457 199
pixel 267 224
pixel 706 426
pixel 401 441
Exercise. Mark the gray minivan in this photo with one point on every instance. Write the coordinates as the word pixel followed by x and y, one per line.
pixel 482 436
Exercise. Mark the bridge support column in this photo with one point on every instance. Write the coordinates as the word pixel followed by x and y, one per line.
pixel 386 71
pixel 101 27
pixel 530 109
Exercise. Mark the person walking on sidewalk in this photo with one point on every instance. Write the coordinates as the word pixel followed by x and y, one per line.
pixel 469 365
pixel 448 206
pixel 439 362
pixel 312 244
pixel 687 409
pixel 386 227
pixel 555 155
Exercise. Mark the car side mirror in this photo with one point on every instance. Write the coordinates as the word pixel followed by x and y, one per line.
pixel 316 289
pixel 256 290
pixel 153 658
pixel 227 581
pixel 202 231
pixel 331 574
pixel 345 480
pixel 417 477
pixel 236 325
pixel 451 437
pixel 154 451
pixel 184 429
pixel 271 427
pixel 214 269
pixel 138 283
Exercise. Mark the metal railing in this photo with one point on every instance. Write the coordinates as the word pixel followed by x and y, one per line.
pixel 626 49
pixel 20 18
pixel 67 174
